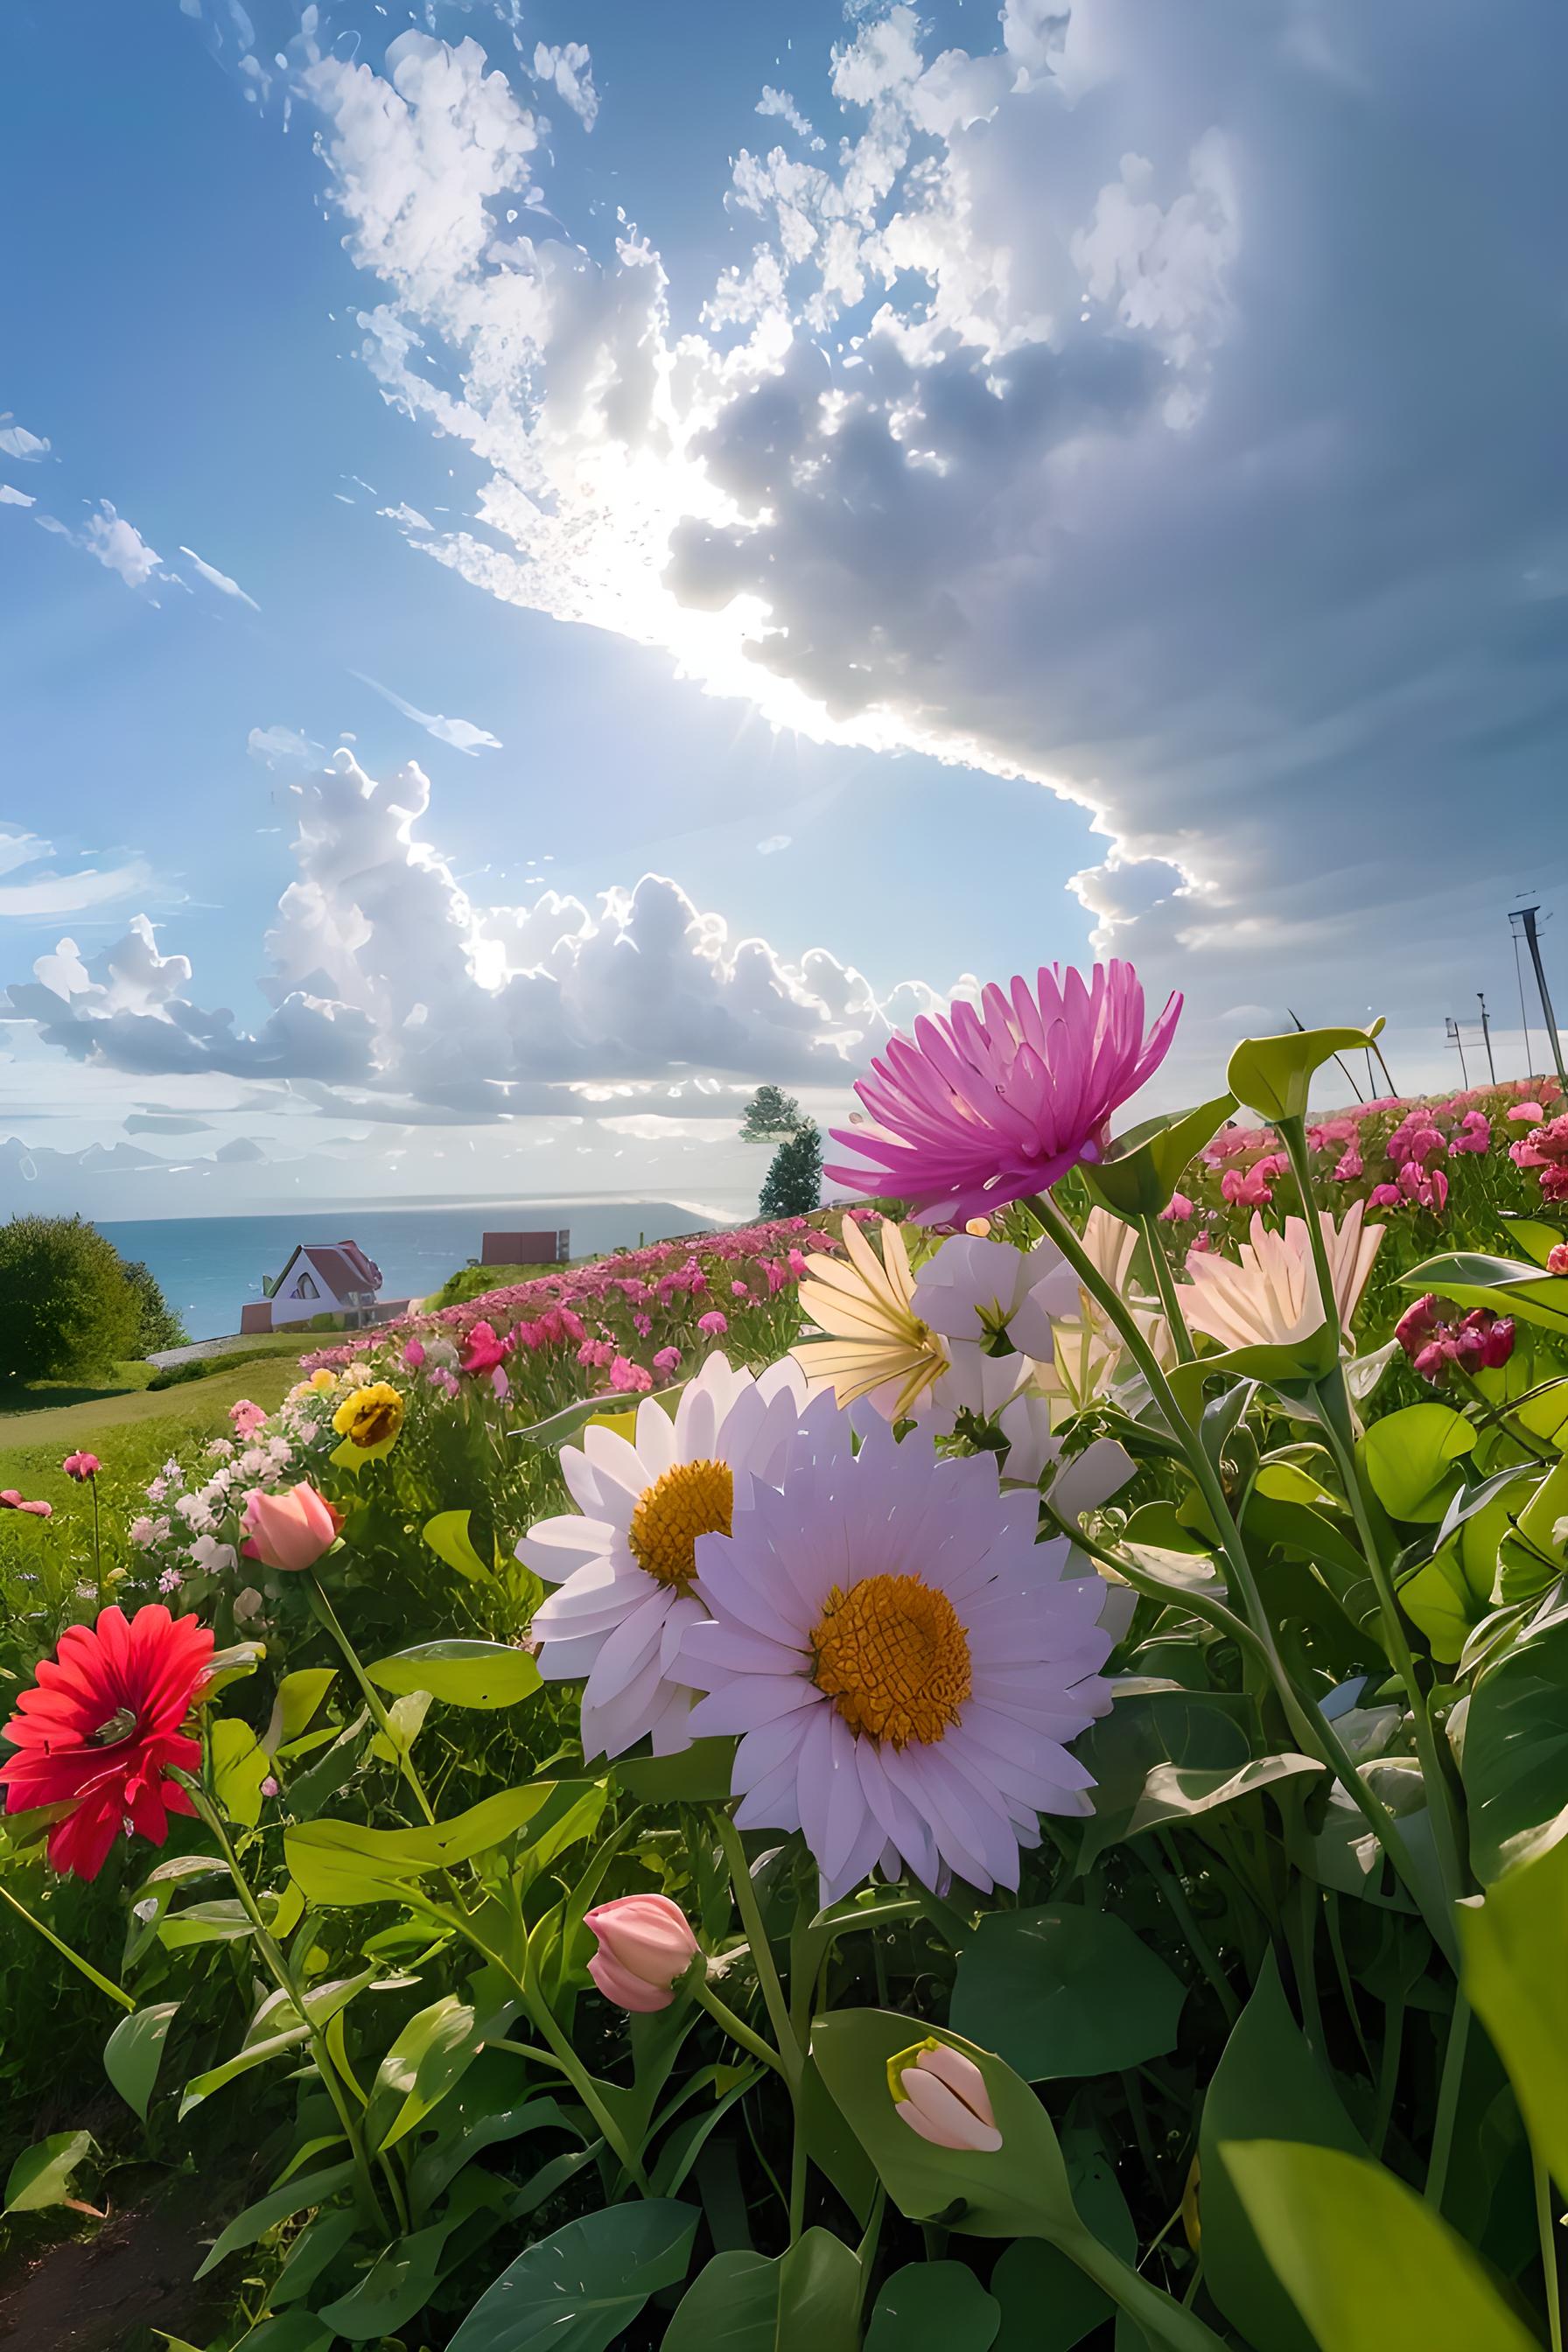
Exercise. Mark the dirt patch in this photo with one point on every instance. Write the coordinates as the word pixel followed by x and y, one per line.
pixel 104 2293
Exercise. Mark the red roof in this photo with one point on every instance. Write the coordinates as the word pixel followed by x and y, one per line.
pixel 342 1266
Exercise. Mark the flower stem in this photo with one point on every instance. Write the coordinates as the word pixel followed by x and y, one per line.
pixel 1546 2224
pixel 571 2066
pixel 1448 2102
pixel 115 1992
pixel 372 1698
pixel 789 2052
pixel 735 2027
pixel 1165 1284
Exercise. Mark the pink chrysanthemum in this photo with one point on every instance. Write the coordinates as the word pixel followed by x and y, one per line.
pixel 905 1663
pixel 985 1106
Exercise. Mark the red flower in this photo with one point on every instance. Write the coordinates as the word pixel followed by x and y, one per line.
pixel 100 1727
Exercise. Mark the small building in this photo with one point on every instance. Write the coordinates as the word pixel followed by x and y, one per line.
pixel 332 1279
pixel 526 1249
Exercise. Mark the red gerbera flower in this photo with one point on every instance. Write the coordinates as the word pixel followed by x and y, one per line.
pixel 100 1727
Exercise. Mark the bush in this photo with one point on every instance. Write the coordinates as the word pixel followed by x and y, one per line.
pixel 67 1308
pixel 477 1281
pixel 158 1327
pixel 793 1185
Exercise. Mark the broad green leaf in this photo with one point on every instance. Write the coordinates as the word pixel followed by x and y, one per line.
pixel 1174 1792
pixel 1367 2262
pixel 299 1698
pixel 462 1673
pixel 1535 1236
pixel 1291 1369
pixel 448 1537
pixel 290 2331
pixel 1142 1733
pixel 1506 1285
pixel 1047 2304
pixel 1143 1167
pixel 1511 1946
pixel 700 1774
pixel 429 2058
pixel 1451 1593
pixel 933 2308
pixel 580 2289
pixel 316 2248
pixel 491 2103
pixel 221 1922
pixel 1273 1076
pixel 1411 1459
pixel 1268 2081
pixel 401 2281
pixel 42 2175
pixel 1064 1990
pixel 1529 1557
pixel 239 1766
pixel 294 2196
pixel 342 1863
pixel 134 2052
pixel 1516 1749
pixel 573 1418
pixel 254 2054
pixel 742 2301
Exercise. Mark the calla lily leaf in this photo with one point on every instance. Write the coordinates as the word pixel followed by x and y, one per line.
pixel 1273 1076
pixel 1144 1166
pixel 1506 1285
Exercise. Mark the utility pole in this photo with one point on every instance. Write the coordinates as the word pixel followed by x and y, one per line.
pixel 1456 1037
pixel 1523 1016
pixel 1526 916
pixel 1487 1036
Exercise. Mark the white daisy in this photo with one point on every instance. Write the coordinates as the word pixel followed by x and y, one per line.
pixel 906 1664
pixel 626 1567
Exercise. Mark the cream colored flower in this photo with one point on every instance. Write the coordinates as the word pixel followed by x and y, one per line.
pixel 874 1344
pixel 1267 1295
pixel 1088 1354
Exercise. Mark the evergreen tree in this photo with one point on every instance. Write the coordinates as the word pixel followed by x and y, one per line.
pixel 793 1185
pixel 771 1117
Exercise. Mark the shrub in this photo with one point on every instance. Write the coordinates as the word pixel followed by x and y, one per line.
pixel 793 1185
pixel 158 1327
pixel 477 1281
pixel 67 1308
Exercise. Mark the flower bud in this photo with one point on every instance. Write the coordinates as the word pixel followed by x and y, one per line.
pixel 942 2095
pixel 82 1466
pixel 646 1946
pixel 291 1530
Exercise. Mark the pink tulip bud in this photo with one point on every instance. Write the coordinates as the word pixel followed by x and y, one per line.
pixel 942 2095
pixel 82 1466
pixel 291 1530
pixel 646 1945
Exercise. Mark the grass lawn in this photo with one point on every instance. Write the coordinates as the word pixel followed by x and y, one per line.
pixel 130 1427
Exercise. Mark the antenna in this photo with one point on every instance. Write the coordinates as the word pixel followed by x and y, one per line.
pixel 1524 919
pixel 1523 1016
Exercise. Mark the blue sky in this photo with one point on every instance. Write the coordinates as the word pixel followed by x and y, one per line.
pixel 1060 444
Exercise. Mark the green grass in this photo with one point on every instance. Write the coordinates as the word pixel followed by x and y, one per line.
pixel 474 1281
pixel 34 1439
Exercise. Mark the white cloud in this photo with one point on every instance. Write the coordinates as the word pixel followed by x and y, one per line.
pixel 460 734
pixel 773 843
pixel 1097 414
pixel 569 72
pixel 780 102
pixel 10 497
pixel 393 994
pixel 282 747
pixel 219 579
pixel 15 441
pixel 112 541
pixel 49 893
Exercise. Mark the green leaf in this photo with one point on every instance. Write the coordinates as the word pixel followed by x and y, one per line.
pixel 1516 1750
pixel 1274 1075
pixel 316 2248
pixel 255 2053
pixel 1143 1167
pixel 1411 1459
pixel 290 2331
pixel 742 2302
pixel 462 1673
pixel 448 1537
pixel 1268 2081
pixel 571 1418
pixel 1142 1732
pixel 700 1775
pixel 429 2058
pixel 1506 1285
pixel 342 1863
pixel 1175 1792
pixel 581 2288
pixel 401 2281
pixel 1047 2304
pixel 933 2308
pixel 1450 1594
pixel 239 1766
pixel 1512 1944
pixel 298 1697
pixel 279 2204
pixel 134 2052
pixel 1369 2264
pixel 1064 1990
pixel 42 2175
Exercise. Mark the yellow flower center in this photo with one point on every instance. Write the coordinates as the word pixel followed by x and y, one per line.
pixel 894 1659
pixel 694 1499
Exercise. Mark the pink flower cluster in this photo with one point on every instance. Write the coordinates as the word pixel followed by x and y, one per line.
pixel 1435 1336
pixel 1546 1148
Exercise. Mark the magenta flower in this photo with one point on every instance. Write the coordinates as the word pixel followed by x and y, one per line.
pixel 1179 1210
pixel 666 1361
pixel 82 1466
pixel 1248 1188
pixel 713 1323
pixel 1348 1167
pixel 1385 1196
pixel 986 1106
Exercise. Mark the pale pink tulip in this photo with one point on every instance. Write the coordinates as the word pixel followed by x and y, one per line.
pixel 646 1946
pixel 291 1530
pixel 942 2095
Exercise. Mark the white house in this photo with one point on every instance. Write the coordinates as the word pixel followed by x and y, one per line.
pixel 326 1279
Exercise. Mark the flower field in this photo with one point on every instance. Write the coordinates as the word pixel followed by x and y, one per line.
pixel 982 1770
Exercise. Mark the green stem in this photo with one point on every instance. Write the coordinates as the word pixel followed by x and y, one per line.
pixel 97 1542
pixel 1159 2315
pixel 1167 1877
pixel 571 2066
pixel 1388 2071
pixel 115 1992
pixel 790 2052
pixel 1197 1604
pixel 283 1977
pixel 372 1698
pixel 1165 1284
pixel 1448 2101
pixel 1315 1733
pixel 1546 2224
pixel 735 2027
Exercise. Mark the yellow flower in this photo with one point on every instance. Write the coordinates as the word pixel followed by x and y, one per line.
pixel 320 1379
pixel 370 1419
pixel 875 1345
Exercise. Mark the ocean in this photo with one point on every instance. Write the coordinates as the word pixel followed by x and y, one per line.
pixel 209 1268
